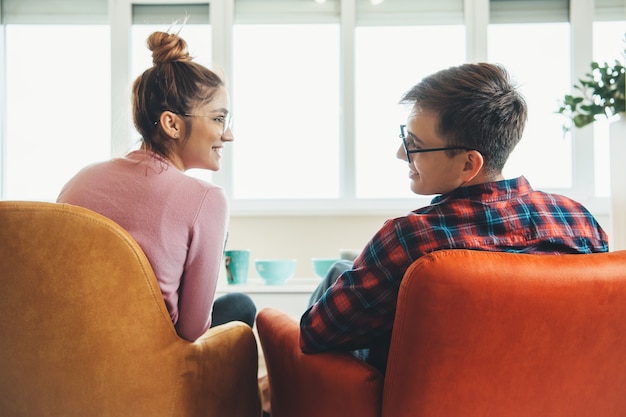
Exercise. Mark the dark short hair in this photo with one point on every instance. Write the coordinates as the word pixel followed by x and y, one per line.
pixel 478 106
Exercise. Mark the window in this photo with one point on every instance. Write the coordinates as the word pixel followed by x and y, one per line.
pixel 57 94
pixel 396 45
pixel 286 101
pixel 527 37
pixel 314 87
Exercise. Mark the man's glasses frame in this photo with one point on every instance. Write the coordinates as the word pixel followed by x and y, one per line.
pixel 410 151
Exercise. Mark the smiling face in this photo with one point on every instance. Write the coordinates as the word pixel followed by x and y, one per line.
pixel 435 172
pixel 209 130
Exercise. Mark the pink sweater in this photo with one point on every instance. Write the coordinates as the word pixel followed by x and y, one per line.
pixel 180 223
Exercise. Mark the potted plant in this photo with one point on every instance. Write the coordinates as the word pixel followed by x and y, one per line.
pixel 602 93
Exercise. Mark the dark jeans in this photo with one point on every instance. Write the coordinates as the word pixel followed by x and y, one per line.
pixel 328 281
pixel 233 307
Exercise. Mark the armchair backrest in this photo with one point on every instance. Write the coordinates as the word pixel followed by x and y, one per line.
pixel 502 334
pixel 84 330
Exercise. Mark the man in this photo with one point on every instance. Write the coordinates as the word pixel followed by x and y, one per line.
pixel 463 124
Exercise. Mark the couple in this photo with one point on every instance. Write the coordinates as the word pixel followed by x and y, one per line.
pixel 462 125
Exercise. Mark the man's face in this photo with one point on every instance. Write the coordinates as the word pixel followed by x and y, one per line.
pixel 430 172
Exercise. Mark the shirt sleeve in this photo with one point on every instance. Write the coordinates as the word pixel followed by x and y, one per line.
pixel 200 276
pixel 359 309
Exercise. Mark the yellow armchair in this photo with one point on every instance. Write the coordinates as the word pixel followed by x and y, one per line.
pixel 84 330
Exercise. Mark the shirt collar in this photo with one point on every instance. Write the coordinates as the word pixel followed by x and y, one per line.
pixel 489 191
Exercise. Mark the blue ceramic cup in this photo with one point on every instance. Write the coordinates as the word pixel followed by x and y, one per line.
pixel 237 263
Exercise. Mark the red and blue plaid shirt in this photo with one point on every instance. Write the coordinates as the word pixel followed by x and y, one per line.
pixel 358 311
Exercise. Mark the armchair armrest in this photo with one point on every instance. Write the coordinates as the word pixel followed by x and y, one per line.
pixel 221 372
pixel 324 384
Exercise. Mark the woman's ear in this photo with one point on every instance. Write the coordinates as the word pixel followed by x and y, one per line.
pixel 171 124
pixel 474 162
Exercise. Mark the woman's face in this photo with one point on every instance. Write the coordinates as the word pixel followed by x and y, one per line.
pixel 209 131
pixel 430 172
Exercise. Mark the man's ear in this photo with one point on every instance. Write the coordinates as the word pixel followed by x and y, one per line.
pixel 474 162
pixel 171 124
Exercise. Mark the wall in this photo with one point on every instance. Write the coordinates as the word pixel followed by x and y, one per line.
pixel 304 237
pixel 301 237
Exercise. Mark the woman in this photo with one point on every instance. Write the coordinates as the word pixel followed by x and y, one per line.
pixel 181 110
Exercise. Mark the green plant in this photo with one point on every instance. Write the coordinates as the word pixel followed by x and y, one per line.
pixel 602 93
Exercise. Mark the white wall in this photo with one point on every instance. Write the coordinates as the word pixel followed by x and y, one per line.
pixel 304 237
pixel 300 237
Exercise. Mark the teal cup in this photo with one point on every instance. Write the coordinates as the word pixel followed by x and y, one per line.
pixel 237 263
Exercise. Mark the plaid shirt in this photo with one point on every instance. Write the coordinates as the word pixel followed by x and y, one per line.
pixel 358 311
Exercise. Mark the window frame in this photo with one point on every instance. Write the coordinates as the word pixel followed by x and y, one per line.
pixel 476 19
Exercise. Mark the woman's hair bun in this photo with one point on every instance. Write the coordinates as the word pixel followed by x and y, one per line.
pixel 167 47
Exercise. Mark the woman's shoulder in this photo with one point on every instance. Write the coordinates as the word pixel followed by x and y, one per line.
pixel 203 186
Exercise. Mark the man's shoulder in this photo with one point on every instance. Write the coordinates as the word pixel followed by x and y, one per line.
pixel 557 200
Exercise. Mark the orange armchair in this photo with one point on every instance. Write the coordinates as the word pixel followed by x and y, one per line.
pixel 84 330
pixel 475 334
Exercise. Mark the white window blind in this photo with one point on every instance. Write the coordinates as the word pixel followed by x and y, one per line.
pixel 528 11
pixel 610 10
pixel 286 11
pixel 409 12
pixel 153 14
pixel 54 11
